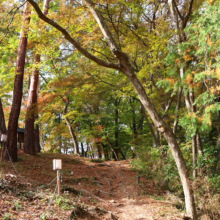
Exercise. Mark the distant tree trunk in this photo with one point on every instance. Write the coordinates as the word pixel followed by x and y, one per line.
pixel 37 136
pixel 113 149
pixel 2 120
pixel 105 151
pixel 177 111
pixel 141 121
pixel 155 137
pixel 18 87
pixel 123 156
pixel 133 118
pixel 98 144
pixel 30 146
pixel 199 144
pixel 116 147
pixel 194 153
pixel 83 152
pixel 74 138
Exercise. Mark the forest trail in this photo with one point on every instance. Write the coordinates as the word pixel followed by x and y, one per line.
pixel 106 190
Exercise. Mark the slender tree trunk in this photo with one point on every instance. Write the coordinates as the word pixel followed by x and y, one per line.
pixel 74 138
pixel 105 151
pixel 2 120
pixel 83 152
pixel 98 144
pixel 141 121
pixel 30 146
pixel 169 136
pixel 155 137
pixel 2 128
pixel 116 131
pixel 116 128
pixel 199 144
pixel 18 87
pixel 194 153
pixel 177 111
pixel 113 149
pixel 37 136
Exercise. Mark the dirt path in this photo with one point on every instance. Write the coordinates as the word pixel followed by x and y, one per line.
pixel 107 190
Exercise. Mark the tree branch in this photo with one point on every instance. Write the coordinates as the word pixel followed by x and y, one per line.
pixel 189 9
pixel 11 19
pixel 70 39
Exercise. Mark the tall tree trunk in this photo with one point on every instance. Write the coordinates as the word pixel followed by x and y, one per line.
pixel 2 120
pixel 30 146
pixel 18 87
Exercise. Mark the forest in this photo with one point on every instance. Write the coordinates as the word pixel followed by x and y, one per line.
pixel 117 81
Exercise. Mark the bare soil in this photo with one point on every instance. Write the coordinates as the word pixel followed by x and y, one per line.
pixel 90 190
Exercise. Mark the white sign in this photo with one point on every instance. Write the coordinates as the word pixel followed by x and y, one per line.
pixel 3 137
pixel 57 164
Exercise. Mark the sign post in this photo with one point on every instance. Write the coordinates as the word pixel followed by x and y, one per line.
pixel 57 165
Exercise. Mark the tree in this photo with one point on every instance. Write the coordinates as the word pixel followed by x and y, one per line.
pixel 30 146
pixel 125 66
pixel 18 87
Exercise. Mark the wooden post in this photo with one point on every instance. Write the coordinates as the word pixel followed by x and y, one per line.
pixel 58 182
pixel 137 180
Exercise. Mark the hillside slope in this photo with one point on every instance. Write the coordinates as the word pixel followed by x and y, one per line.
pixel 90 190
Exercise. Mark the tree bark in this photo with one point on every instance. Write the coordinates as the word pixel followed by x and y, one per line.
pixel 30 146
pixel 18 87
pixel 2 120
